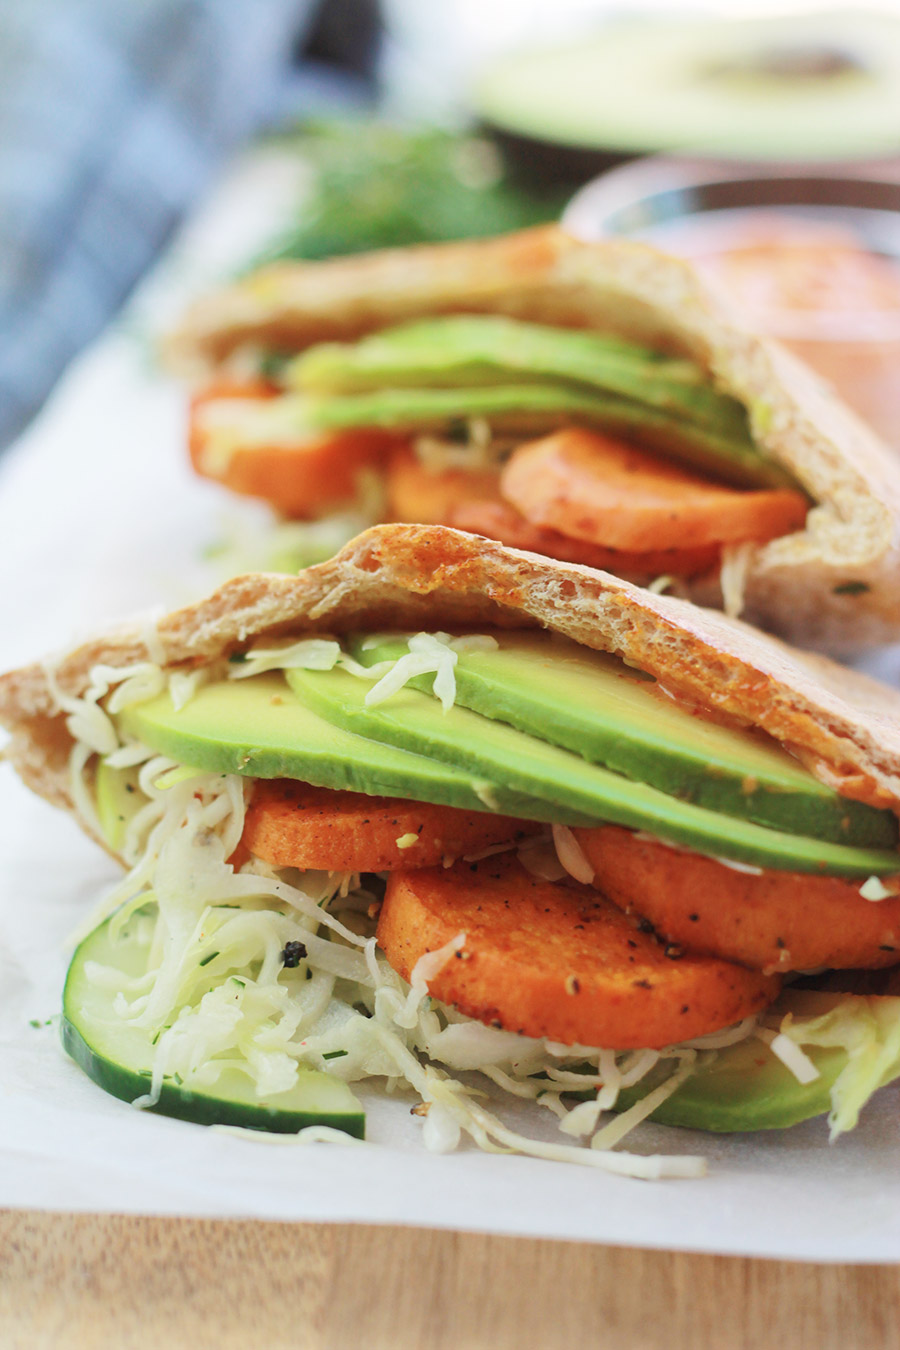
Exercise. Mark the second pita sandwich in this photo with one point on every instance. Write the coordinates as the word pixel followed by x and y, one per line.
pixel 593 402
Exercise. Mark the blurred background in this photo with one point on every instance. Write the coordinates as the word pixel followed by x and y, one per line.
pixel 763 140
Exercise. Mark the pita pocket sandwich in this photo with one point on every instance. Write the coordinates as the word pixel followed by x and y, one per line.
pixel 456 817
pixel 594 402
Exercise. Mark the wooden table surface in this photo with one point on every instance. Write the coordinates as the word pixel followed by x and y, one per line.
pixel 99 1281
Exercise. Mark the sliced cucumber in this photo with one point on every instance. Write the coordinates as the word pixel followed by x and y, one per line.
pixel 118 1055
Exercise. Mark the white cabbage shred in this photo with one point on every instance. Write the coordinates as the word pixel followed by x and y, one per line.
pixel 480 449
pixel 429 653
pixel 571 855
pixel 733 572
pixel 874 888
pixel 868 1029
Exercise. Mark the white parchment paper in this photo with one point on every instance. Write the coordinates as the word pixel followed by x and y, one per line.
pixel 99 516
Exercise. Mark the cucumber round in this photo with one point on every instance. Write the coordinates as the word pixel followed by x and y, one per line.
pixel 119 1056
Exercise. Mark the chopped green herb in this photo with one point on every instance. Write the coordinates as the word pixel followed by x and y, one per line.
pixel 335 1054
pixel 851 588
pixel 378 186
pixel 237 657
pixel 457 431
pixel 206 960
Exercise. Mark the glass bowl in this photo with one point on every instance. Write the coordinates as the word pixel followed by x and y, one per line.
pixel 811 255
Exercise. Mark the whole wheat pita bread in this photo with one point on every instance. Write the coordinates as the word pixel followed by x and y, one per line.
pixel 845 726
pixel 834 585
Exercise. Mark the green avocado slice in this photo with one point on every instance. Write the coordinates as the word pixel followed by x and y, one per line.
pixel 118 1055
pixel 257 727
pixel 118 797
pixel 744 1088
pixel 852 1041
pixel 593 704
pixel 819 85
pixel 476 349
pixel 522 410
pixel 532 408
pixel 412 720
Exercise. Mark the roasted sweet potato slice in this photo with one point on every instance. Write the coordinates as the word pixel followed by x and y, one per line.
pixel 293 824
pixel 558 960
pixel 609 492
pixel 430 497
pixel 771 920
pixel 499 520
pixel 301 476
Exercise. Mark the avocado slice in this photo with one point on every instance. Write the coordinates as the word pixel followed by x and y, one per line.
pixel 516 410
pixel 593 704
pixel 412 720
pixel 745 1087
pixel 477 349
pixel 532 409
pixel 118 797
pixel 817 86
pixel 257 727
pixel 853 1042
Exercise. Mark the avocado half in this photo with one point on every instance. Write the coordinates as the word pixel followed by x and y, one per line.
pixel 801 87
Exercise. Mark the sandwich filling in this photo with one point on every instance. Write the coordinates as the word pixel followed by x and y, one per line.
pixel 432 860
pixel 574 444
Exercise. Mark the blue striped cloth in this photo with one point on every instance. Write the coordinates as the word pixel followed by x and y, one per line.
pixel 114 114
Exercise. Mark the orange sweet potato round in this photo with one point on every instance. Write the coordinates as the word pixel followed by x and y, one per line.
pixel 774 920
pixel 558 959
pixel 292 824
pixel 429 497
pixel 499 520
pixel 301 478
pixel 609 492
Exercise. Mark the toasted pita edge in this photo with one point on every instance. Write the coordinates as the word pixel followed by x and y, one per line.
pixel 845 726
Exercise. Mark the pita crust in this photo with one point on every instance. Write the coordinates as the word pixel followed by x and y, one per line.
pixel 845 726
pixel 794 584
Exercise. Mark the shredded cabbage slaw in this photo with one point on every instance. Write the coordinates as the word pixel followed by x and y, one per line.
pixel 217 994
